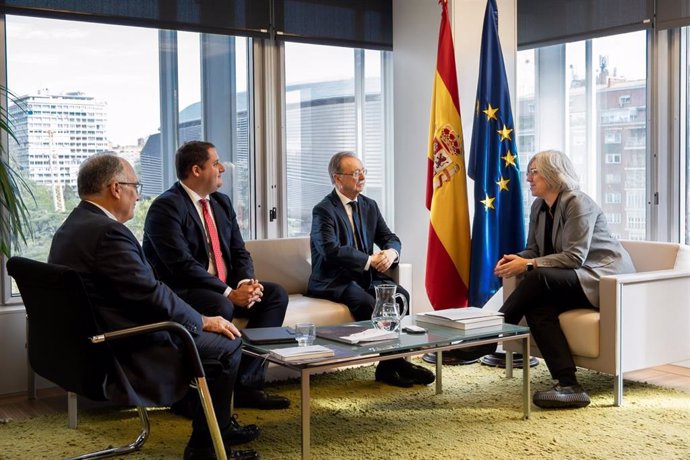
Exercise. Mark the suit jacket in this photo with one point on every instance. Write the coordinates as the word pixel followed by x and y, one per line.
pixel 124 292
pixel 175 242
pixel 335 259
pixel 581 241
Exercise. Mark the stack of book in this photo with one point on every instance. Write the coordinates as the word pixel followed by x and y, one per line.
pixel 302 353
pixel 462 318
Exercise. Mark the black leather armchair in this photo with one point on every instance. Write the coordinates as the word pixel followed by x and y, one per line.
pixel 66 346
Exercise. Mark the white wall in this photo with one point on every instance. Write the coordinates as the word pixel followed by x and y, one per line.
pixel 415 40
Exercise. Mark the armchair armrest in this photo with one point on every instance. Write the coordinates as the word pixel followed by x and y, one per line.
pixel 643 318
pixel 192 354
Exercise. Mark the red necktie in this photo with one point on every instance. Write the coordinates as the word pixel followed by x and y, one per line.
pixel 215 242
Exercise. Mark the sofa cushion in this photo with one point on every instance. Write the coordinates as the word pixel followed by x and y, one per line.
pixel 286 261
pixel 318 311
pixel 581 329
pixel 303 309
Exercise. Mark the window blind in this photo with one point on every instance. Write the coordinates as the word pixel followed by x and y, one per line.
pixel 549 22
pixel 356 23
pixel 236 17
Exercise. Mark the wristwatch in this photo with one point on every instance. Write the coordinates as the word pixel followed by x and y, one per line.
pixel 530 266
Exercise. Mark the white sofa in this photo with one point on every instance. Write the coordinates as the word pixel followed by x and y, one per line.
pixel 287 261
pixel 643 320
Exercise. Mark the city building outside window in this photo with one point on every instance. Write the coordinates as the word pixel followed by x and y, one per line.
pixel 590 100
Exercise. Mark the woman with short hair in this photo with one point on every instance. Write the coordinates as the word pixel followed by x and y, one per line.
pixel 569 248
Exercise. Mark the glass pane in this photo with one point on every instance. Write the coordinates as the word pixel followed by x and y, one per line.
pixel 321 119
pixel 87 88
pixel 83 88
pixel 620 165
pixel 686 141
pixel 605 122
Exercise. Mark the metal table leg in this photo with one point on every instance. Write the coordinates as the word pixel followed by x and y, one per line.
pixel 439 372
pixel 526 405
pixel 306 414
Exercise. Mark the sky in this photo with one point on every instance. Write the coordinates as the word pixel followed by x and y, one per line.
pixel 119 65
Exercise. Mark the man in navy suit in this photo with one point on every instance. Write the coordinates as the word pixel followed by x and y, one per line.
pixel 124 292
pixel 345 268
pixel 192 238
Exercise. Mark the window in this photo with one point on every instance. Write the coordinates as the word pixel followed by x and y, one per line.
pixel 335 106
pixel 613 158
pixel 613 218
pixel 141 92
pixel 76 101
pixel 612 137
pixel 590 102
pixel 612 198
pixel 613 178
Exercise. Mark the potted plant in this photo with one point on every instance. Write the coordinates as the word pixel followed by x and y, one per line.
pixel 15 222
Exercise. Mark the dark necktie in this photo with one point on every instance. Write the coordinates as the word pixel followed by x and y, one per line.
pixel 359 241
pixel 215 242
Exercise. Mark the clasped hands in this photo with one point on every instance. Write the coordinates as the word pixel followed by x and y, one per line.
pixel 382 260
pixel 247 294
pixel 510 265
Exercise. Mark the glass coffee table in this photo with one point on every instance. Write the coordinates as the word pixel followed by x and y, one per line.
pixel 437 339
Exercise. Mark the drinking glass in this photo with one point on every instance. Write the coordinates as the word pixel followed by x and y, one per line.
pixel 305 333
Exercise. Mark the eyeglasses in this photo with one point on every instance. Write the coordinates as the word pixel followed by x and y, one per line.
pixel 137 185
pixel 532 172
pixel 356 174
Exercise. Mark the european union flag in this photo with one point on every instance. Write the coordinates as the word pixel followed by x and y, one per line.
pixel 498 227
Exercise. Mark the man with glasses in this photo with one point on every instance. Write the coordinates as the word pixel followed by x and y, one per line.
pixel 192 238
pixel 345 268
pixel 124 292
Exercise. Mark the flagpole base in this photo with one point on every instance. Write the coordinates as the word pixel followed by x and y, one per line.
pixel 498 359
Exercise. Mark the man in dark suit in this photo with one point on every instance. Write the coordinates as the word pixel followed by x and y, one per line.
pixel 125 292
pixel 345 268
pixel 192 239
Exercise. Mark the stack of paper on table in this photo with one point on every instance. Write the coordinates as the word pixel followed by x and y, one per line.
pixel 462 318
pixel 302 353
pixel 370 335
pixel 354 334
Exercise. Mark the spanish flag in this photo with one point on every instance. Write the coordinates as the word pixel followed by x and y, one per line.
pixel 448 252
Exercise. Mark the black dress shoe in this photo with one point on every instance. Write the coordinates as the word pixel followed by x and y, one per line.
pixel 561 397
pixel 237 434
pixel 208 453
pixel 391 376
pixel 417 374
pixel 259 399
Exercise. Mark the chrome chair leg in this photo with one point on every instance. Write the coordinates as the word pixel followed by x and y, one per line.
pixel 135 445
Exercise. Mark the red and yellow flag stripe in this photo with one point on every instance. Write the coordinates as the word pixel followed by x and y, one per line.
pixel 448 251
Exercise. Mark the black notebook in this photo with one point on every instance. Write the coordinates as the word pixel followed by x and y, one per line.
pixel 268 335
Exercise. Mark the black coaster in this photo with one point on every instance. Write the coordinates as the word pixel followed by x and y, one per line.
pixel 498 359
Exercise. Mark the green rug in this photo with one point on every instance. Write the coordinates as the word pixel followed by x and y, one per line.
pixel 479 416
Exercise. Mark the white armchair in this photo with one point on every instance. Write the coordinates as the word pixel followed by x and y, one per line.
pixel 643 318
